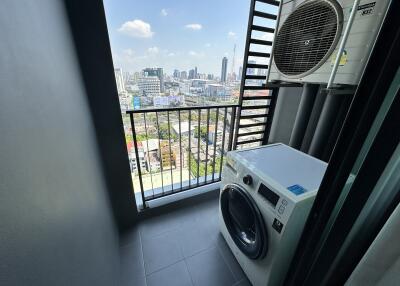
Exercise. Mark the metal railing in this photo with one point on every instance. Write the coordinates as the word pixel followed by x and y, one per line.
pixel 177 149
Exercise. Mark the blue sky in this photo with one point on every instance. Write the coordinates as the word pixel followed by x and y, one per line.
pixel 177 34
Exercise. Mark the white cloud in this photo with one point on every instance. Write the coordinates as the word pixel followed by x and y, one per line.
pixel 164 12
pixel 153 50
pixel 136 28
pixel 171 54
pixel 207 45
pixel 231 35
pixel 196 54
pixel 194 27
pixel 129 52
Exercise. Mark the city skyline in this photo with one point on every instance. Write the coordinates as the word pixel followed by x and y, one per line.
pixel 176 73
pixel 176 35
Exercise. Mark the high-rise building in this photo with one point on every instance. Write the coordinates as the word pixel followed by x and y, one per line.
pixel 176 74
pixel 119 79
pixel 210 76
pixel 195 72
pixel 224 69
pixel 184 75
pixel 136 77
pixel 158 72
pixel 191 74
pixel 149 86
pixel 240 73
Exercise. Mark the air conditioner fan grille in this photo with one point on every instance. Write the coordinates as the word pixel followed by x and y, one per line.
pixel 307 37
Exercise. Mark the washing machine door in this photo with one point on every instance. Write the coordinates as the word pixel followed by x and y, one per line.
pixel 244 221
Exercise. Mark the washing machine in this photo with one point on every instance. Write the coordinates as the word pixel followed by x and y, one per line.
pixel 265 198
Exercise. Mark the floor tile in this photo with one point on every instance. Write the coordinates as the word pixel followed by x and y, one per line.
pixel 188 217
pixel 230 259
pixel 132 265
pixel 158 225
pixel 196 239
pixel 174 275
pixel 161 251
pixel 208 268
pixel 130 279
pixel 209 208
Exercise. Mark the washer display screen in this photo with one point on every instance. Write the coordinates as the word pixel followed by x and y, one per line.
pixel 268 195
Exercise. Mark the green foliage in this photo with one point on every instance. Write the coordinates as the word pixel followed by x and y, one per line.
pixel 141 137
pixel 164 132
pixel 203 132
pixel 202 166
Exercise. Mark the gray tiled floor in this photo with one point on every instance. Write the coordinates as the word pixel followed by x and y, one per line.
pixel 181 247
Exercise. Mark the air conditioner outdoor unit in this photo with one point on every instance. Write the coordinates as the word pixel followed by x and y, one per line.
pixel 309 34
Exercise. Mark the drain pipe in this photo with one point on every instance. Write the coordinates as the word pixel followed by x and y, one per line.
pixel 303 114
pixel 343 43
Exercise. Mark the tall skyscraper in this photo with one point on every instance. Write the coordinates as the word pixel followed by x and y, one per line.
pixel 158 72
pixel 240 73
pixel 233 74
pixel 195 72
pixel 184 75
pixel 191 74
pixel 224 69
pixel 176 74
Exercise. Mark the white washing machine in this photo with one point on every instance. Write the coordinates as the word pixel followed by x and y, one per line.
pixel 266 196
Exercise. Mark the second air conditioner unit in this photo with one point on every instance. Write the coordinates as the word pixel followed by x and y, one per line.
pixel 309 33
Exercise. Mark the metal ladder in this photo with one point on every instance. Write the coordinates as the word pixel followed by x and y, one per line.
pixel 266 117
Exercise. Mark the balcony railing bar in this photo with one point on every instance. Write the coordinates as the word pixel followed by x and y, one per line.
pixel 137 156
pixel 190 148
pixel 187 108
pixel 198 144
pixel 206 139
pixel 232 129
pixel 223 142
pixel 159 148
pixel 180 145
pixel 148 156
pixel 215 144
pixel 170 151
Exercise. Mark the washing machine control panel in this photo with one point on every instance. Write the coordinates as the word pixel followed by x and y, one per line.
pixel 282 206
pixel 268 194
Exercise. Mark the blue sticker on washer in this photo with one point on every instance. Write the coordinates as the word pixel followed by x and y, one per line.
pixel 296 189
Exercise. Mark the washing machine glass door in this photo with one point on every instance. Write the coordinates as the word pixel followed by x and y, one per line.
pixel 244 221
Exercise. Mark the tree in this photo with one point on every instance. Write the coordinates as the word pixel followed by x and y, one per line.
pixel 203 132
pixel 163 131
pixel 202 167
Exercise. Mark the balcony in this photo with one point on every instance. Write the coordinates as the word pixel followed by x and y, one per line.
pixel 172 150
pixel 66 185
